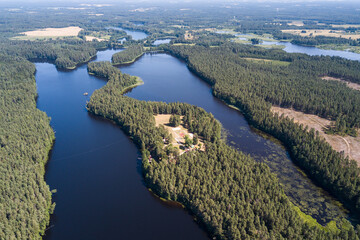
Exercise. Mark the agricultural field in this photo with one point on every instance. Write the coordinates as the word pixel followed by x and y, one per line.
pixel 321 32
pixel 296 23
pixel 49 33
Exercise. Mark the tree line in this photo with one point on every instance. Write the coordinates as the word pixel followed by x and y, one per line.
pixel 231 194
pixel 65 54
pixel 25 141
pixel 129 55
pixel 253 87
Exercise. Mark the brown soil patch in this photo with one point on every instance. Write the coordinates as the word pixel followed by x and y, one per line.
pixel 54 32
pixel 321 32
pixel 178 133
pixel 188 36
pixel 348 84
pixel 349 145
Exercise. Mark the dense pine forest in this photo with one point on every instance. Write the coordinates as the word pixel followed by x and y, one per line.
pixel 129 55
pixel 231 195
pixel 235 197
pixel 25 140
pixel 64 54
pixel 253 88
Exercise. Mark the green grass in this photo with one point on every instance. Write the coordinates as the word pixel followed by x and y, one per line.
pixel 139 82
pixel 330 227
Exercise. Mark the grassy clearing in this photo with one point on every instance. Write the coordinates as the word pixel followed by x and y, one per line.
pixel 346 26
pixel 178 133
pixel 296 23
pixel 330 227
pixel 272 46
pixel 264 37
pixel 184 44
pixel 91 38
pixel 139 82
pixel 274 62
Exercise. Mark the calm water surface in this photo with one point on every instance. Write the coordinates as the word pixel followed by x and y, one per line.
pixel 136 35
pixel 161 41
pixel 314 51
pixel 95 168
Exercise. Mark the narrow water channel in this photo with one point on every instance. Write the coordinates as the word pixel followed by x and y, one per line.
pixel 95 168
pixel 168 79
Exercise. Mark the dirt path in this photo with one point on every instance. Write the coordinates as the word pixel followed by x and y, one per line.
pixel 348 84
pixel 349 145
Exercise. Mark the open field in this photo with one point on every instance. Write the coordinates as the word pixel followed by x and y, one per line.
pixel 346 26
pixel 47 33
pixel 319 32
pixel 349 145
pixel 54 32
pixel 348 84
pixel 90 38
pixel 296 23
pixel 188 36
pixel 178 133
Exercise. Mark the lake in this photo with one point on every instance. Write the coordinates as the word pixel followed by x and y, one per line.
pixel 95 167
pixel 136 35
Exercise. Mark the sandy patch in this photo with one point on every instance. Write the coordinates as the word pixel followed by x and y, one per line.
pixel 296 23
pixel 320 32
pixel 188 36
pixel 90 38
pixel 346 26
pixel 178 133
pixel 349 145
pixel 54 32
pixel 348 84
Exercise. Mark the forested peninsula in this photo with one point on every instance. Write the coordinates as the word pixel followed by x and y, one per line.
pixel 65 54
pixel 231 194
pixel 129 55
